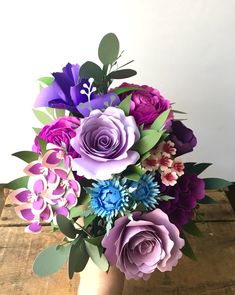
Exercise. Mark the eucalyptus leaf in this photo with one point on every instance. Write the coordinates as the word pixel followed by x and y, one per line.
pixel 88 220
pixel 95 241
pixel 160 121
pixel 76 212
pixel 91 70
pixel 50 260
pixel 66 227
pixel 46 80
pixel 26 156
pixel 192 229
pixel 216 183
pixel 108 49
pixel 94 253
pixel 21 182
pixel 42 117
pixel 208 200
pixel 122 74
pixel 78 257
pixel 125 105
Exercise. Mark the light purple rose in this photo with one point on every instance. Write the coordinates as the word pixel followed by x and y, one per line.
pixel 59 132
pixel 104 141
pixel 139 246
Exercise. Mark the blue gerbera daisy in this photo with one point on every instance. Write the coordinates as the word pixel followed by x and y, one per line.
pixel 109 198
pixel 147 191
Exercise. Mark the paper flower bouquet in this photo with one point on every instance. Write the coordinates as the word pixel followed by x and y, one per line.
pixel 105 170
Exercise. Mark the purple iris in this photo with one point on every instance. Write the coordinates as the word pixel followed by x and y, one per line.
pixel 67 91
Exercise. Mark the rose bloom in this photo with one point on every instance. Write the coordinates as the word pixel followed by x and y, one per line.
pixel 146 104
pixel 183 138
pixel 104 142
pixel 59 132
pixel 139 246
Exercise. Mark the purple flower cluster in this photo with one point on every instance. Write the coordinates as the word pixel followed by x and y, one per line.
pixel 186 192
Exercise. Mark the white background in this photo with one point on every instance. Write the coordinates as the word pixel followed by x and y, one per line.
pixel 185 48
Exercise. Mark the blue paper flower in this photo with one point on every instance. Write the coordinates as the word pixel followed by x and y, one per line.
pixel 147 191
pixel 109 198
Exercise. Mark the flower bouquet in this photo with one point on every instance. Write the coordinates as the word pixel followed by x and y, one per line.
pixel 105 170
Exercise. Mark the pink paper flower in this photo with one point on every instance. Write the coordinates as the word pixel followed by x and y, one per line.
pixel 178 167
pixel 139 246
pixel 169 178
pixel 167 147
pixel 165 162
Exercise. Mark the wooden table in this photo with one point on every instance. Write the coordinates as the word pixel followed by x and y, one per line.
pixel 212 274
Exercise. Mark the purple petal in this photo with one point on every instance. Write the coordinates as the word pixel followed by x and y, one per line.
pixel 19 196
pixel 33 228
pixel 62 211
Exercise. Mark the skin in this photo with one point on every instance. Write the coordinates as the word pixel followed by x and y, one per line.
pixel 100 283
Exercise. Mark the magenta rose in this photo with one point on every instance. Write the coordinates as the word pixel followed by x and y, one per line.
pixel 139 246
pixel 146 104
pixel 59 132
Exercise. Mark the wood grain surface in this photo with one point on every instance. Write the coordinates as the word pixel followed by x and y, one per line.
pixel 212 274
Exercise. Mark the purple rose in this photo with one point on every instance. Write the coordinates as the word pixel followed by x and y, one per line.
pixel 183 138
pixel 139 246
pixel 59 132
pixel 104 142
pixel 188 190
pixel 146 104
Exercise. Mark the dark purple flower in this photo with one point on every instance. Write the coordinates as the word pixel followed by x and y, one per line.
pixel 146 104
pixel 139 246
pixel 183 138
pixel 68 91
pixel 59 132
pixel 188 190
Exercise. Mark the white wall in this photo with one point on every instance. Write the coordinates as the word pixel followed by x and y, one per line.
pixel 186 48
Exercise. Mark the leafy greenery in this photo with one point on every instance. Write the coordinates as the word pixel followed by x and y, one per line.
pixel 216 183
pixel 160 121
pixel 198 168
pixel 108 49
pixel 207 200
pixel 187 249
pixel 50 260
pixel 66 226
pixel 21 182
pixel 43 144
pixel 94 253
pixel 122 74
pixel 42 117
pixel 146 143
pixel 46 80
pixel 192 229
pixel 90 69
pixel 26 156
pixel 125 105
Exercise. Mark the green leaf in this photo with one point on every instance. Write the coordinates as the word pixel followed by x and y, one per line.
pixel 125 105
pixel 76 212
pixel 51 111
pixel 187 249
pixel 132 176
pixel 91 70
pixel 66 227
pixel 43 144
pixel 147 142
pixel 133 173
pixel 46 80
pixel 94 253
pixel 166 198
pixel 198 168
pixel 208 200
pixel 145 156
pixel 179 112
pixel 122 90
pixel 36 130
pixel 160 121
pixel 88 220
pixel 122 74
pixel 50 260
pixel 21 182
pixel 59 113
pixel 26 156
pixel 96 241
pixel 108 49
pixel 216 183
pixel 42 117
pixel 78 257
pixel 188 165
pixel 192 229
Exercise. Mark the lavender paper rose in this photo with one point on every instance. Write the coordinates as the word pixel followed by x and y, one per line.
pixel 139 246
pixel 104 142
pixel 146 104
pixel 58 132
